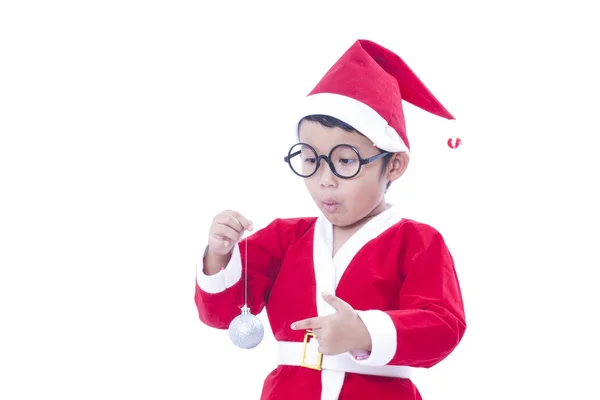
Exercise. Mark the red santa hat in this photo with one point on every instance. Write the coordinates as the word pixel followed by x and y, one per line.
pixel 365 89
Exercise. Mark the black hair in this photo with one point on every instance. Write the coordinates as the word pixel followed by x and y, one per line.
pixel 332 122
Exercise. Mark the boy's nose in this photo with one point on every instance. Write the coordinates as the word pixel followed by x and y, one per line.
pixel 326 176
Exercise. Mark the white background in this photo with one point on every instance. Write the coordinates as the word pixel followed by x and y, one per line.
pixel 125 126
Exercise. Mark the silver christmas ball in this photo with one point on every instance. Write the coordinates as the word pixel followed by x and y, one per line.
pixel 246 331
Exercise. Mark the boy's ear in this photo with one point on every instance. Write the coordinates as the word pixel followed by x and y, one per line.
pixel 397 166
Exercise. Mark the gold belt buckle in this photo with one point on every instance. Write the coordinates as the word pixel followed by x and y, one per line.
pixel 319 363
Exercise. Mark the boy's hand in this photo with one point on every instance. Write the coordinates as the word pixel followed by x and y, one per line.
pixel 226 230
pixel 340 332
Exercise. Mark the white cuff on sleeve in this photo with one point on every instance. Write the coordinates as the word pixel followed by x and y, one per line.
pixel 383 337
pixel 223 279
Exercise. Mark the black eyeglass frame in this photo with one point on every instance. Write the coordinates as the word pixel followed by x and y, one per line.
pixel 327 158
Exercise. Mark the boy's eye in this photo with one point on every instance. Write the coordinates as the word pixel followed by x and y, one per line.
pixel 347 161
pixel 310 160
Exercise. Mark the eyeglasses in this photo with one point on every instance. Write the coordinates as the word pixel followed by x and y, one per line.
pixel 344 160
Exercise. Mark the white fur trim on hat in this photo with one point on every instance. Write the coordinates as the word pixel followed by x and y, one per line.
pixel 353 112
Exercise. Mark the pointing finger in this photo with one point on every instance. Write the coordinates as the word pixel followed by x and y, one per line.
pixel 309 323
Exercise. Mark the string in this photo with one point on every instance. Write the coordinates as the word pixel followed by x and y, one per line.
pixel 246 276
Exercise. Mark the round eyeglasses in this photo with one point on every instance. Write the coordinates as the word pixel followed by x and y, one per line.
pixel 344 160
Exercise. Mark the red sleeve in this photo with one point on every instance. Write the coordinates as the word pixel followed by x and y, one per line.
pixel 219 297
pixel 430 321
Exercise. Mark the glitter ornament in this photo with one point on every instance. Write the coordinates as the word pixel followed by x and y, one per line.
pixel 453 143
pixel 246 331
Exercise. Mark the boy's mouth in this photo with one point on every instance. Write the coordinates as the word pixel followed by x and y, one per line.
pixel 330 205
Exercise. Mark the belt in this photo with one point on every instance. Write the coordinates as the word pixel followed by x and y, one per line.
pixel 306 355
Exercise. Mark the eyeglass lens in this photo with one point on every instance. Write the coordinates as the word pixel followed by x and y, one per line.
pixel 344 160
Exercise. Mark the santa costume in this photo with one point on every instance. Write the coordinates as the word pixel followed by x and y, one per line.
pixel 397 273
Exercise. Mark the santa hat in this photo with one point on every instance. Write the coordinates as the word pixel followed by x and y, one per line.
pixel 365 89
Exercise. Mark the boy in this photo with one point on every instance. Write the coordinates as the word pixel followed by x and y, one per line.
pixel 377 292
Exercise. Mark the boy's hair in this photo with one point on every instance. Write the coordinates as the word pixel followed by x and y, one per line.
pixel 332 122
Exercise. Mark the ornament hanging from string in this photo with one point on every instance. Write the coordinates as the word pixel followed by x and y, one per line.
pixel 246 331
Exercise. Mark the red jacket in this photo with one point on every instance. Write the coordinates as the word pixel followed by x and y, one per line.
pixel 397 273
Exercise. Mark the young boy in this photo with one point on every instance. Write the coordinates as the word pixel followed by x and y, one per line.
pixel 377 292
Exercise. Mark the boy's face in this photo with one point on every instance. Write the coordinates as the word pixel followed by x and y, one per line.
pixel 345 201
